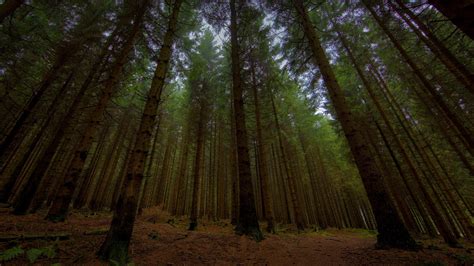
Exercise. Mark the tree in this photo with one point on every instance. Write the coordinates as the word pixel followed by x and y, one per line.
pixel 459 12
pixel 116 244
pixel 8 7
pixel 391 231
pixel 60 206
pixel 247 220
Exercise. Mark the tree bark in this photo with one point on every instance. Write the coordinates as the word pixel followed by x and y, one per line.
pixel 8 7
pixel 460 12
pixel 247 219
pixel 439 218
pixel 197 169
pixel 116 244
pixel 392 232
pixel 262 160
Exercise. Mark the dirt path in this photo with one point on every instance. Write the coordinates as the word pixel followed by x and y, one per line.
pixel 156 242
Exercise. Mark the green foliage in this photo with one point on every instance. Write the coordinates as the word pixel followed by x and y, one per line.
pixel 11 253
pixel 34 253
pixel 31 254
pixel 115 263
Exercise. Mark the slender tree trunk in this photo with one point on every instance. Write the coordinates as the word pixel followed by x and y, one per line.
pixel 165 166
pixel 66 125
pixel 392 232
pixel 248 221
pixel 179 194
pixel 197 169
pixel 22 204
pixel 64 53
pixel 106 176
pixel 234 173
pixel 263 159
pixel 116 244
pixel 291 179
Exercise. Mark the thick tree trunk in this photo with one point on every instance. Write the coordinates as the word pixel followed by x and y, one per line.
pixel 8 7
pixel 460 12
pixel 116 244
pixel 392 232
pixel 248 221
pixel 440 219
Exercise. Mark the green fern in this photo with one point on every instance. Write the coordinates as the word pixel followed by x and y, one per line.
pixel 33 254
pixel 116 263
pixel 49 252
pixel 11 253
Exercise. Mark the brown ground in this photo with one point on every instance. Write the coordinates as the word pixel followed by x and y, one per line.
pixel 162 240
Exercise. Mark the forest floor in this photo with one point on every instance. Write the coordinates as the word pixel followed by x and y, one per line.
pixel 160 239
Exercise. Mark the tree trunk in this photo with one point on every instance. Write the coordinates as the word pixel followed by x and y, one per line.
pixel 392 232
pixel 8 7
pixel 66 125
pixel 197 169
pixel 247 221
pixel 22 203
pixel 64 53
pixel 116 244
pixel 289 175
pixel 263 159
pixel 460 12
pixel 434 209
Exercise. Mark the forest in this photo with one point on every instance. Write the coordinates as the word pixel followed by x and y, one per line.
pixel 196 132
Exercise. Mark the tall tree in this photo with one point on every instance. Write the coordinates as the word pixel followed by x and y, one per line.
pixel 460 12
pixel 8 7
pixel 115 246
pixel 60 206
pixel 247 220
pixel 391 230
